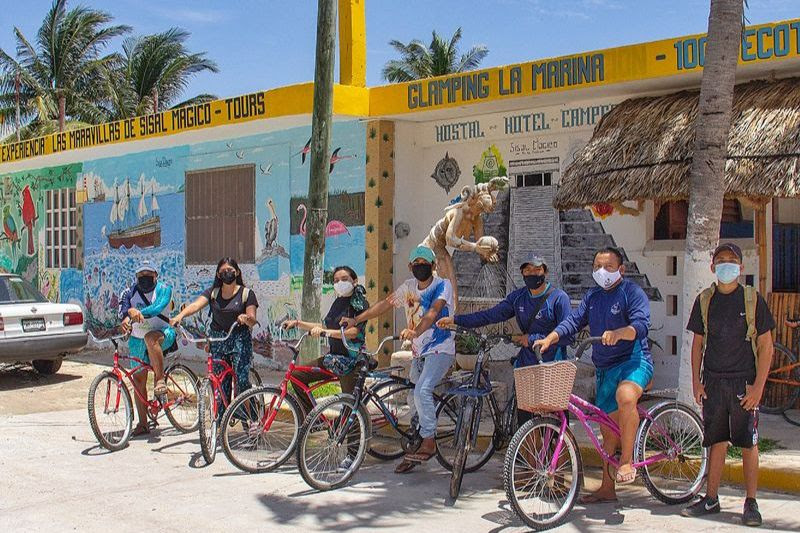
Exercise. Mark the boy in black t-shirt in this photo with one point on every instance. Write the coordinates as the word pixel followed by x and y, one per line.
pixel 732 344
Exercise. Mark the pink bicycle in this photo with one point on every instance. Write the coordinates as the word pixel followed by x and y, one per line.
pixel 543 471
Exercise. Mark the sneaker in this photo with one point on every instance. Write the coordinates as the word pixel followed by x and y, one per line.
pixel 750 515
pixel 703 507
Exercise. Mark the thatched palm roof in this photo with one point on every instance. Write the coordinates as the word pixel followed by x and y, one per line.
pixel 642 149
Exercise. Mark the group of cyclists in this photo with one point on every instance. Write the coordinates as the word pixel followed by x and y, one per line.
pixel 616 310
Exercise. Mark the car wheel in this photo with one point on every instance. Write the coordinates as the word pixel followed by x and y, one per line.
pixel 47 366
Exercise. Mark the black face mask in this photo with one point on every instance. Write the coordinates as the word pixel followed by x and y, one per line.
pixel 146 283
pixel 228 276
pixel 422 271
pixel 533 282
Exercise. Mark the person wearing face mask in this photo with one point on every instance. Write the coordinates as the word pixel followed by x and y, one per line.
pixel 425 298
pixel 617 310
pixel 142 310
pixel 350 300
pixel 230 302
pixel 538 307
pixel 731 356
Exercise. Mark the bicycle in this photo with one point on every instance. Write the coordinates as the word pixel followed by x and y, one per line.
pixel 333 438
pixel 272 417
pixel 782 388
pixel 212 400
pixel 462 409
pixel 111 412
pixel 543 468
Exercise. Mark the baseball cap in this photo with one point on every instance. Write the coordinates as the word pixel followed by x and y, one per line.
pixel 532 259
pixel 421 252
pixel 730 247
pixel 147 266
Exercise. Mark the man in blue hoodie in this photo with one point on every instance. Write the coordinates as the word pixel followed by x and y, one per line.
pixel 539 307
pixel 617 310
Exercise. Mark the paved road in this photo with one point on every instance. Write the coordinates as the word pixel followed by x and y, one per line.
pixel 60 480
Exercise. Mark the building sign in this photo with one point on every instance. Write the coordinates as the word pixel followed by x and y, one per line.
pixel 206 115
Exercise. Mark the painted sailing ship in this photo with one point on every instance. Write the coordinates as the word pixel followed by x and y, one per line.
pixel 142 228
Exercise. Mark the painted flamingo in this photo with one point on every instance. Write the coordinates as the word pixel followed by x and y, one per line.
pixel 335 158
pixel 304 152
pixel 334 227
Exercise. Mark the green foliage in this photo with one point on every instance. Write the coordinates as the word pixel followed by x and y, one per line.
pixel 467 344
pixel 440 57
pixel 765 444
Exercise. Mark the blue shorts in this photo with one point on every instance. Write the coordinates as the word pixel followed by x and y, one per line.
pixel 637 369
pixel 138 348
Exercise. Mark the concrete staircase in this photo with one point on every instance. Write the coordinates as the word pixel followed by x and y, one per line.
pixel 581 237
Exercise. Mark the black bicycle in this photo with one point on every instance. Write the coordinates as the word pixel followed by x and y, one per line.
pixel 333 439
pixel 460 421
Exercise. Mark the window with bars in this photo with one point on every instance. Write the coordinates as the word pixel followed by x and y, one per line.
pixel 220 214
pixel 536 179
pixel 61 229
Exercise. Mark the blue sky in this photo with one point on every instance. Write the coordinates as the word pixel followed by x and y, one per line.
pixel 260 44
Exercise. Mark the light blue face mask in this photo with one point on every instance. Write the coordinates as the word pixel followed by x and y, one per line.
pixel 727 272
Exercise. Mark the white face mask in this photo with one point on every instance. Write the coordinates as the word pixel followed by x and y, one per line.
pixel 343 288
pixel 606 279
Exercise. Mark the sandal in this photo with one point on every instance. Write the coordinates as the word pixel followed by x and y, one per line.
pixel 587 499
pixel 161 388
pixel 625 478
pixel 140 429
pixel 420 457
pixel 405 467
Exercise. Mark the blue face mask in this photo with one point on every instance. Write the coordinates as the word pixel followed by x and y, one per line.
pixel 727 272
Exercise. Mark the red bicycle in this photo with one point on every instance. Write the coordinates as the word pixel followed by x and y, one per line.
pixel 212 400
pixel 269 418
pixel 110 407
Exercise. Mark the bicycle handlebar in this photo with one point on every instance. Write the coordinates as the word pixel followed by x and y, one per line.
pixel 110 338
pixel 363 350
pixel 206 338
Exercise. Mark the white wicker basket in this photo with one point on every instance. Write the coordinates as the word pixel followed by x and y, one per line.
pixel 545 387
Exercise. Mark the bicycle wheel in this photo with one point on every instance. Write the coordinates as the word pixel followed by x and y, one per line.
pixel 463 446
pixel 260 429
pixel 395 394
pixel 255 377
pixel 676 432
pixel 541 498
pixel 331 449
pixel 207 415
pixel 182 393
pixel 792 416
pixel 110 411
pixel 778 397
pixel 446 447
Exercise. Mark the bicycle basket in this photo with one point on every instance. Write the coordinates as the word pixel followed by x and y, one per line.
pixel 545 387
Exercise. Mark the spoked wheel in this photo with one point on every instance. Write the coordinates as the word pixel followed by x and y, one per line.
pixel 779 392
pixel 207 414
pixel 182 393
pixel 675 431
pixel 463 445
pixel 110 411
pixel 792 416
pixel 446 446
pixel 260 429
pixel 255 377
pixel 333 442
pixel 541 486
pixel 396 396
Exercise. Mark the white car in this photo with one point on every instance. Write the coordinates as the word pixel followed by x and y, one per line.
pixel 33 329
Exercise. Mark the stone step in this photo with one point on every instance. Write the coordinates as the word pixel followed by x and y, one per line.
pixel 581 228
pixel 576 215
pixel 591 241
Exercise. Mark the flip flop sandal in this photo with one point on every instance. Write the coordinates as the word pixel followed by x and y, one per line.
pixel 405 467
pixel 625 479
pixel 588 499
pixel 140 430
pixel 420 457
pixel 161 388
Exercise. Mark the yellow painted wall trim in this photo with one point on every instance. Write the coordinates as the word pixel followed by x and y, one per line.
pixel 352 43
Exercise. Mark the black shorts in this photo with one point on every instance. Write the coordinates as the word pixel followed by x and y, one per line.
pixel 724 418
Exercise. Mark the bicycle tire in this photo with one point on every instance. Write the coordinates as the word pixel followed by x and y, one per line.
pixel 793 418
pixel 190 400
pixel 463 445
pixel 692 443
pixel 294 412
pixel 100 435
pixel 377 419
pixel 777 397
pixel 448 411
pixel 207 402
pixel 316 424
pixel 510 463
pixel 254 377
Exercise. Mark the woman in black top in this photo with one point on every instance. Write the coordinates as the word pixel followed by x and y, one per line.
pixel 231 303
pixel 350 301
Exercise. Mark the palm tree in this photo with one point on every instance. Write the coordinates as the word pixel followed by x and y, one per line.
pixel 707 171
pixel 57 74
pixel 441 57
pixel 152 73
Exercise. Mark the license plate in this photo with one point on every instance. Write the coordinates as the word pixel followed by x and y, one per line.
pixel 33 324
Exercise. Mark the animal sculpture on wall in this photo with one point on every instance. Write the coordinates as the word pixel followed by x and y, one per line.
pixel 462 221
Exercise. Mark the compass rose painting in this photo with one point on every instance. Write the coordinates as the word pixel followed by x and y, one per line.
pixel 446 172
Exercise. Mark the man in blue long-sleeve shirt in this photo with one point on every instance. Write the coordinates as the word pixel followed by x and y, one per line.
pixel 619 312
pixel 539 307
